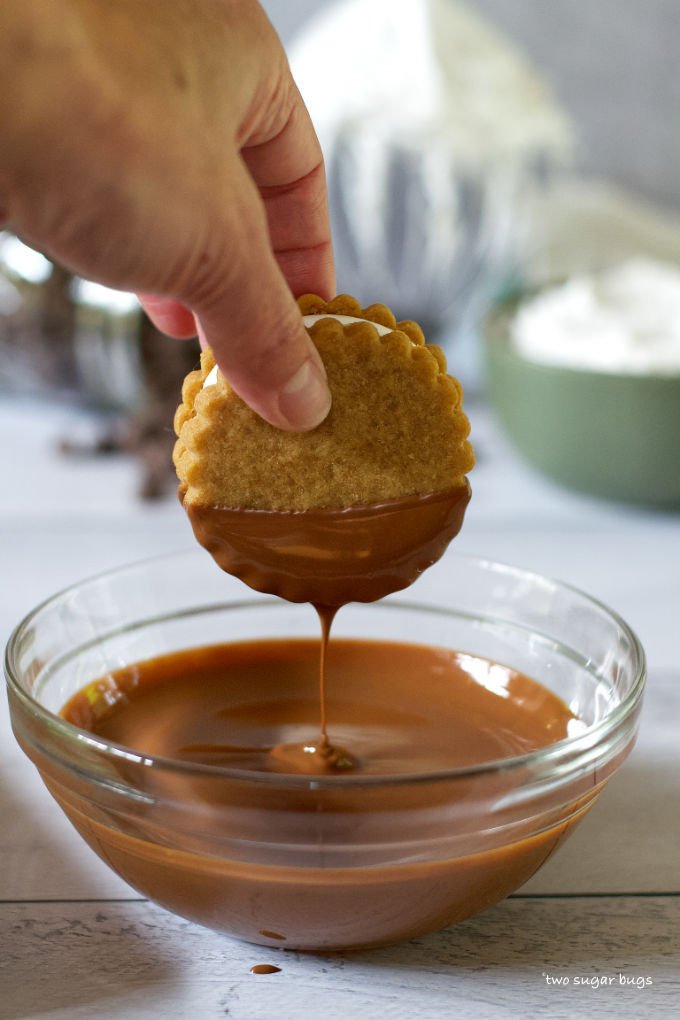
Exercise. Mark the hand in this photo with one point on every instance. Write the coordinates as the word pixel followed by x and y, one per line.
pixel 162 147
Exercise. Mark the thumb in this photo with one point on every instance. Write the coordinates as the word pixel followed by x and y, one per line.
pixel 246 313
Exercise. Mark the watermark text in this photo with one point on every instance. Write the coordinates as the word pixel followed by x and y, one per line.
pixel 598 980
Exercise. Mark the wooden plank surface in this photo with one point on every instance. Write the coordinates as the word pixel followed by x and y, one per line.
pixel 566 957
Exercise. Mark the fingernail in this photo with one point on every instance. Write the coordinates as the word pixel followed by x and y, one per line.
pixel 305 399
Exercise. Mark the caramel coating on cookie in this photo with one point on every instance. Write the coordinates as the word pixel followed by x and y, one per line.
pixel 395 427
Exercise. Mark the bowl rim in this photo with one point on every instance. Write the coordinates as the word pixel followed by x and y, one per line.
pixel 567 748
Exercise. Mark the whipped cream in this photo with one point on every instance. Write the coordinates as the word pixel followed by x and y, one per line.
pixel 423 70
pixel 625 319
pixel 309 320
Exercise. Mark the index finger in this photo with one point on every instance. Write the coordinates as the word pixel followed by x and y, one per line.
pixel 288 171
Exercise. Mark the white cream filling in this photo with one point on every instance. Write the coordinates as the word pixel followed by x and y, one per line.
pixel 309 320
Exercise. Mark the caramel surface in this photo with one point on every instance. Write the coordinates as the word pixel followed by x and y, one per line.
pixel 391 708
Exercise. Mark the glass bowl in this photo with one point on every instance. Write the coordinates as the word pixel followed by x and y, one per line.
pixel 323 862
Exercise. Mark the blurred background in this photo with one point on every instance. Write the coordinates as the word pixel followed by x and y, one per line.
pixel 614 66
pixel 473 150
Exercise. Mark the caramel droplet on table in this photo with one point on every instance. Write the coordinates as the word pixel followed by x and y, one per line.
pixel 264 968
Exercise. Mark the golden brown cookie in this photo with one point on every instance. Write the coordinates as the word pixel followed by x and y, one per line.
pixel 395 428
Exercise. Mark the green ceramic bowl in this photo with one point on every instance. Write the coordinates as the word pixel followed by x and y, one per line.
pixel 605 434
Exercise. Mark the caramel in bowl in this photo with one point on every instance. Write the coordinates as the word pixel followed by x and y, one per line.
pixel 340 860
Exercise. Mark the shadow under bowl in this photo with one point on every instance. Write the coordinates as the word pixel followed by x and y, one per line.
pixel 323 862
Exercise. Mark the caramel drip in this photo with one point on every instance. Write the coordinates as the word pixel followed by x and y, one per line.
pixel 329 556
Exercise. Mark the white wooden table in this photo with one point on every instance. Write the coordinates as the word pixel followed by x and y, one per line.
pixel 596 933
